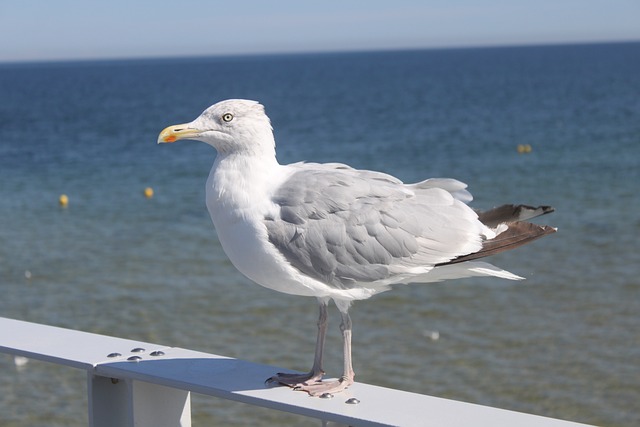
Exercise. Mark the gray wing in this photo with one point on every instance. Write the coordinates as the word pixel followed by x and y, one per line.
pixel 345 227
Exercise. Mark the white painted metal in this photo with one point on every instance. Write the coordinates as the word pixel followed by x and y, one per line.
pixel 155 405
pixel 154 390
pixel 109 402
pixel 129 403
pixel 66 347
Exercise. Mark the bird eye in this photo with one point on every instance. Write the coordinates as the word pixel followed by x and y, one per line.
pixel 227 117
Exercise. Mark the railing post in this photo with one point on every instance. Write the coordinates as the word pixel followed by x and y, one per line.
pixel 130 403
pixel 109 402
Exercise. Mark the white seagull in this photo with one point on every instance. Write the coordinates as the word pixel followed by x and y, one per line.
pixel 336 233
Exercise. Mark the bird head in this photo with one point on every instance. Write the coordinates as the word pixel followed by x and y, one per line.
pixel 231 126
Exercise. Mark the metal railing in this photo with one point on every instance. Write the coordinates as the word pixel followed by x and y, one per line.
pixel 133 383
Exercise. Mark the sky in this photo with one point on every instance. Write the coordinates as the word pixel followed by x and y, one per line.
pixel 35 30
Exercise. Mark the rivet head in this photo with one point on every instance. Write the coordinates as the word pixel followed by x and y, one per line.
pixel 114 355
pixel 134 358
pixel 352 401
pixel 326 396
pixel 157 353
pixel 137 350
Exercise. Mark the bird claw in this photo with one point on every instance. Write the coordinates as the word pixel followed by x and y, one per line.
pixel 271 381
pixel 295 381
pixel 311 383
pixel 326 389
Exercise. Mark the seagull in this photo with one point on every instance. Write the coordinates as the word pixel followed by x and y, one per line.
pixel 337 233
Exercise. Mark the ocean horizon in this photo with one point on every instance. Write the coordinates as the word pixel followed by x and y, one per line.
pixel 276 53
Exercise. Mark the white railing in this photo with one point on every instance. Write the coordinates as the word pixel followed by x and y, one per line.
pixel 132 383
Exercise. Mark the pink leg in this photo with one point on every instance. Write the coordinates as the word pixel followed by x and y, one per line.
pixel 347 379
pixel 316 373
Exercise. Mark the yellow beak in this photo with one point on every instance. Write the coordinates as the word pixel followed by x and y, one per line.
pixel 176 132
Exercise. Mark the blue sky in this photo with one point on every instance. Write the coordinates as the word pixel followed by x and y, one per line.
pixel 87 29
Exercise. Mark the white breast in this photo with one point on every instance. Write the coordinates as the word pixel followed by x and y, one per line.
pixel 238 203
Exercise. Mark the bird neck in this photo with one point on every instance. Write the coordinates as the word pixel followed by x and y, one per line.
pixel 241 181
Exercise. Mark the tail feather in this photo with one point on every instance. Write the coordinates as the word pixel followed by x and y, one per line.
pixel 517 234
pixel 462 270
pixel 507 214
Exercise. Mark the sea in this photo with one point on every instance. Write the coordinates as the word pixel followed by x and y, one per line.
pixel 541 125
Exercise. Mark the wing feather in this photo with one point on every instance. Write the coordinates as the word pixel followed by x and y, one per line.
pixel 344 226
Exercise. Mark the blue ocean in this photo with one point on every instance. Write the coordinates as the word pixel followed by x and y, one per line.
pixel 565 343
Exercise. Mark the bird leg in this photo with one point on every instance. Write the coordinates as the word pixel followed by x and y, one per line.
pixel 347 378
pixel 315 375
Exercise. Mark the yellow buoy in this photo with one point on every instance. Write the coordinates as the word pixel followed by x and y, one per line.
pixel 524 148
pixel 63 200
pixel 148 192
